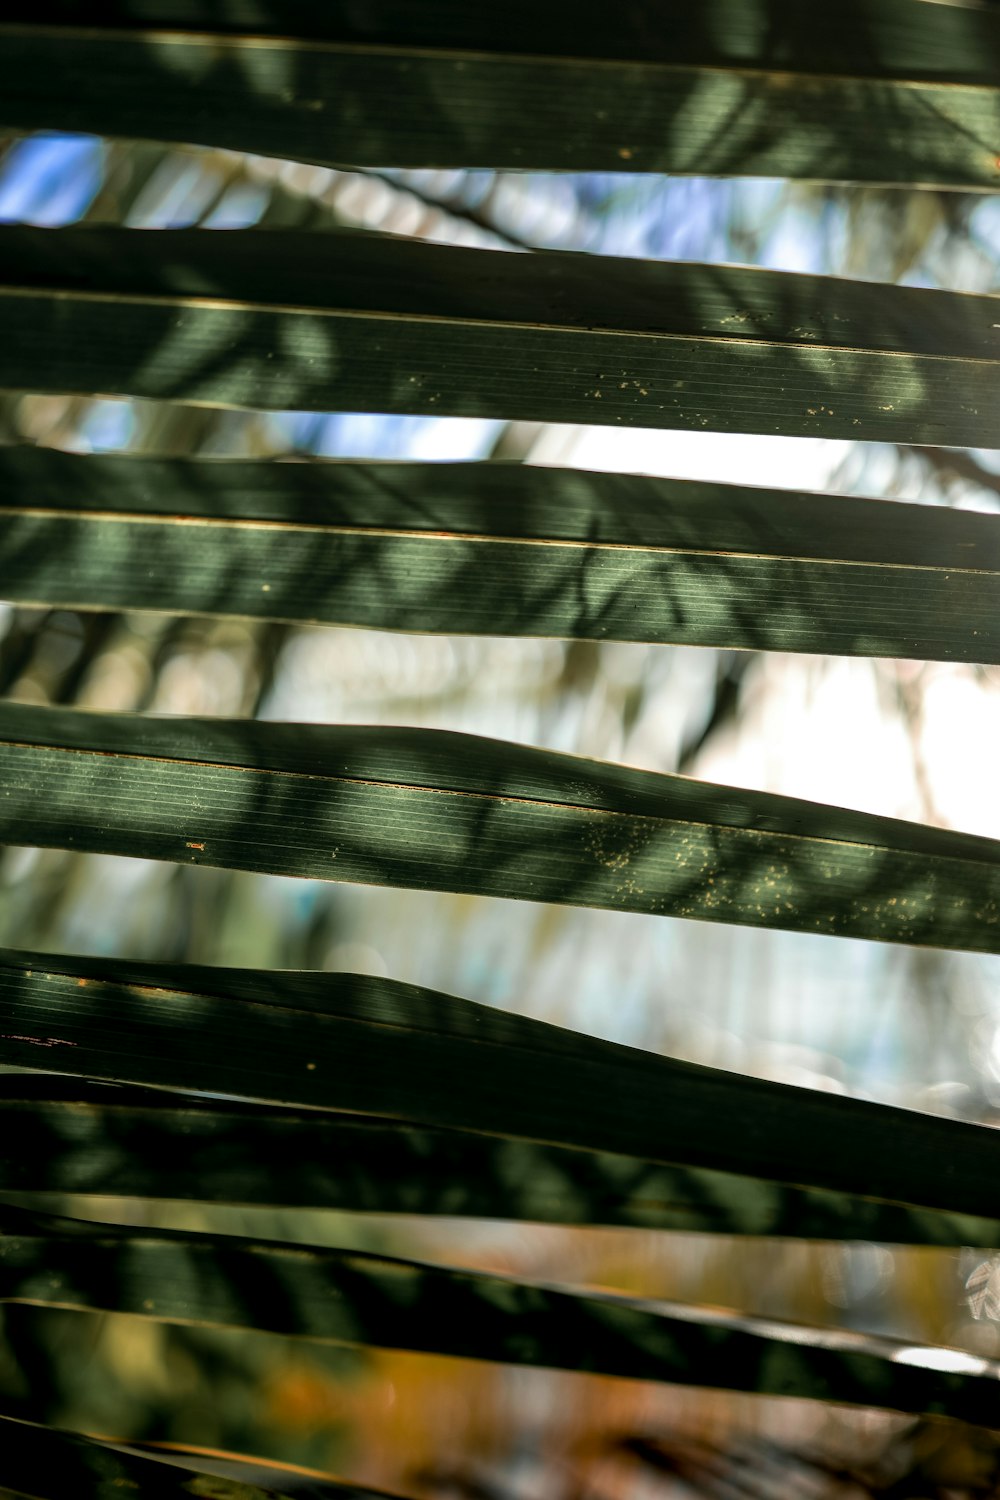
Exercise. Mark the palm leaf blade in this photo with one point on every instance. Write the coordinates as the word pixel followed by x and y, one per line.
pixel 500 549
pixel 384 324
pixel 453 812
pixel 363 1046
pixel 353 1298
pixel 662 94
pixel 80 1139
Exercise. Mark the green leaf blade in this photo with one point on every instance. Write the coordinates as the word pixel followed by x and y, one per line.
pixel 500 549
pixel 422 809
pixel 355 1299
pixel 386 325
pixel 355 1045
pixel 770 101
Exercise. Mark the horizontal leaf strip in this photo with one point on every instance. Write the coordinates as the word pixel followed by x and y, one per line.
pixel 512 501
pixel 376 1048
pixel 351 1298
pixel 472 333
pixel 398 364
pixel 74 1138
pixel 475 584
pixel 367 806
pixel 497 549
pixel 357 272
pixel 447 761
pixel 897 38
pixel 337 104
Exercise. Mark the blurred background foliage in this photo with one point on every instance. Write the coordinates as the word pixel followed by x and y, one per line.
pixel 919 1028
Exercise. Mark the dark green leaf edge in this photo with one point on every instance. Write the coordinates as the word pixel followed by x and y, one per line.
pixel 500 549
pixel 447 811
pixel 367 1300
pixel 877 38
pixel 370 102
pixel 377 323
pixel 392 1052
pixel 86 1139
